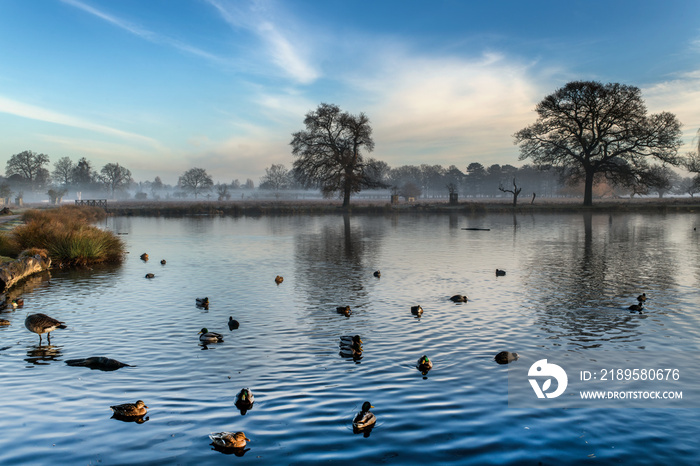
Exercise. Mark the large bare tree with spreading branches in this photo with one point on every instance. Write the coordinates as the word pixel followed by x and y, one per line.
pixel 590 129
pixel 329 152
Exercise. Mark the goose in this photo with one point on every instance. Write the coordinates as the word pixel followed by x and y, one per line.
pixel 424 364
pixel 232 323
pixel 458 298
pixel 365 418
pixel 505 357
pixel 130 409
pixel 244 399
pixel 41 323
pixel 417 310
pixel 210 337
pixel 229 439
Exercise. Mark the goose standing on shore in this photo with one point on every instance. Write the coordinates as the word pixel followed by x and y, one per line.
pixel 41 323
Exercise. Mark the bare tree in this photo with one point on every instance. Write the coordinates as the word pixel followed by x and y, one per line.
pixel 588 128
pixel 515 192
pixel 115 177
pixel 329 152
pixel 196 181
pixel 276 177
pixel 63 171
pixel 222 189
pixel 30 166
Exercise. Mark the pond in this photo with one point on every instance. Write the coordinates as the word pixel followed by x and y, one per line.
pixel 569 280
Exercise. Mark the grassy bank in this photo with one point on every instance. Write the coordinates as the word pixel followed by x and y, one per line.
pixel 317 207
pixel 66 234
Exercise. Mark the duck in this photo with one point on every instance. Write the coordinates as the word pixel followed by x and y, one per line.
pixel 150 275
pixel 162 262
pixel 505 357
pixel 202 302
pixel 642 298
pixel 345 310
pixel 245 399
pixel 458 298
pixel 17 302
pixel 229 439
pixel 424 364
pixel 351 351
pixel 279 279
pixel 4 322
pixel 349 340
pixel 377 274
pixel 130 409
pixel 98 362
pixel 500 273
pixel 41 323
pixel 232 323
pixel 417 310
pixel 144 257
pixel 210 337
pixel 636 308
pixel 365 418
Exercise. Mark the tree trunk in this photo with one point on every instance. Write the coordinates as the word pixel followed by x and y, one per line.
pixel 588 188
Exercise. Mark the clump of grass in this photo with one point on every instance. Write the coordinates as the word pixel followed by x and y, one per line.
pixel 8 245
pixel 68 237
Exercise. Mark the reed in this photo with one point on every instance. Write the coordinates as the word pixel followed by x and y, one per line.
pixel 67 235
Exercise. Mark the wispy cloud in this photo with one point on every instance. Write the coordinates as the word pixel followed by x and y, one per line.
pixel 33 112
pixel 142 32
pixel 286 53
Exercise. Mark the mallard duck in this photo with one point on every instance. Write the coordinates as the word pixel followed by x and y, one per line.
pixel 345 310
pixel 229 439
pixel 458 298
pixel 18 302
pixel 4 322
pixel 505 357
pixel 424 364
pixel 162 262
pixel 636 308
pixel 150 275
pixel 245 399
pixel 41 323
pixel 377 274
pixel 500 273
pixel 210 337
pixel 279 279
pixel 130 409
pixel 417 310
pixel 349 340
pixel 642 298
pixel 202 302
pixel 364 418
pixel 232 323
pixel 144 257
pixel 351 351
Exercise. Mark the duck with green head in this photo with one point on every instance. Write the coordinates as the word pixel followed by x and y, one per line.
pixel 365 418
pixel 205 336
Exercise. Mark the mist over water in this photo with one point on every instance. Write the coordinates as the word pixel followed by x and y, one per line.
pixel 569 281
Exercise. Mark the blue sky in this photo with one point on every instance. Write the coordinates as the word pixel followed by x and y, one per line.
pixel 161 86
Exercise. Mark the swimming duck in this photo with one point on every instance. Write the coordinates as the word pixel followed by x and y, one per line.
pixel 500 273
pixel 130 409
pixel 377 274
pixel 162 262
pixel 150 275
pixel 364 418
pixel 349 340
pixel 636 308
pixel 642 298
pixel 244 400
pixel 424 364
pixel 232 323
pixel 279 279
pixel 505 357
pixel 202 302
pixel 210 337
pixel 351 351
pixel 417 310
pixel 18 302
pixel 458 298
pixel 41 323
pixel 345 310
pixel 229 439
pixel 4 322
pixel 98 362
pixel 144 257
